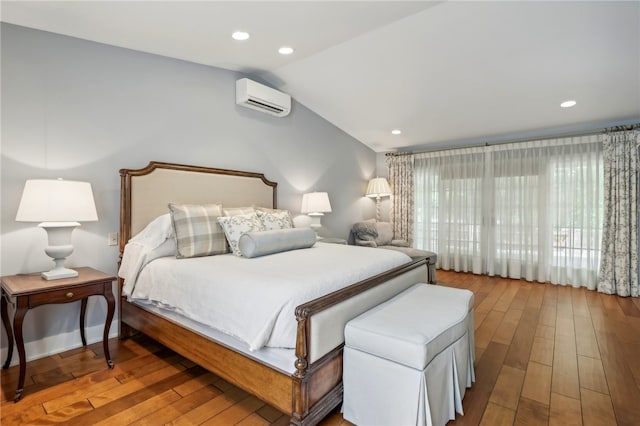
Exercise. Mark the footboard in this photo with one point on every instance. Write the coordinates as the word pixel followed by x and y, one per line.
pixel 320 340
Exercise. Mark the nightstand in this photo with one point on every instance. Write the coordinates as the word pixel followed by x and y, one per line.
pixel 30 290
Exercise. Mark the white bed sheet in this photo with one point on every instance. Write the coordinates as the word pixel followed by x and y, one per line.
pixel 255 299
pixel 282 359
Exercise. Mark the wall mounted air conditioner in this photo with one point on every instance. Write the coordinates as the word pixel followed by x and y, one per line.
pixel 257 96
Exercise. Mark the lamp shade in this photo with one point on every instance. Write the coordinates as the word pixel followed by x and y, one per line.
pixel 315 202
pixel 378 187
pixel 48 200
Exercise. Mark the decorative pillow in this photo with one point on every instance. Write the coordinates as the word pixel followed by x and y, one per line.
pixel 197 230
pixel 385 233
pixel 365 233
pixel 235 226
pixel 234 211
pixel 274 218
pixel 254 244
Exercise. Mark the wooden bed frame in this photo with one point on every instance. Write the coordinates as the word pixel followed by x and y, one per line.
pixel 315 388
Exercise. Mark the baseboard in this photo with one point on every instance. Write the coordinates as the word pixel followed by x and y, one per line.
pixel 51 345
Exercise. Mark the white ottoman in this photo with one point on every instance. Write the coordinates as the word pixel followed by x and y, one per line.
pixel 409 360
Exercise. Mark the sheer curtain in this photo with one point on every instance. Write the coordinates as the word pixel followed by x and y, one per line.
pixel 448 207
pixel 528 210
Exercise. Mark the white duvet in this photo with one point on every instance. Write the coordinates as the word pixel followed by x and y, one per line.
pixel 255 299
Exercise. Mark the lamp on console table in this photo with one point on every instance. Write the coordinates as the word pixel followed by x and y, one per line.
pixel 59 205
pixel 315 204
pixel 378 187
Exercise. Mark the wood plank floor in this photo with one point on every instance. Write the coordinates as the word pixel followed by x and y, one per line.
pixel 545 355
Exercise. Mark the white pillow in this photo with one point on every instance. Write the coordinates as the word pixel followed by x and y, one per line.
pixel 235 226
pixel 155 233
pixel 168 248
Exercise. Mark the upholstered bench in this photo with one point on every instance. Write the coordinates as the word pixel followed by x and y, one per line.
pixel 409 360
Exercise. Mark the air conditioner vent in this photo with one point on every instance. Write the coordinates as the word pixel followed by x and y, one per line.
pixel 266 106
pixel 251 94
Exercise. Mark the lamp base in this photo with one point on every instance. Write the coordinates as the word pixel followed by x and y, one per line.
pixel 56 274
pixel 316 220
pixel 59 235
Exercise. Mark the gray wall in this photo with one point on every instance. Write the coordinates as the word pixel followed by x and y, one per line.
pixel 82 110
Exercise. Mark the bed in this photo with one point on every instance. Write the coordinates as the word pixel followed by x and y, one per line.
pixel 305 381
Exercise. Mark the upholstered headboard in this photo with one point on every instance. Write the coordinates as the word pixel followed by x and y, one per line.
pixel 145 193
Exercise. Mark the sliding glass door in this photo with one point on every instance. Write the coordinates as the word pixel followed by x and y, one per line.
pixel 531 210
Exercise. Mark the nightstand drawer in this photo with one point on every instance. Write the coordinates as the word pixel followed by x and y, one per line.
pixel 66 294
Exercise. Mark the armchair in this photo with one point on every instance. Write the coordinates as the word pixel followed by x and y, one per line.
pixel 380 235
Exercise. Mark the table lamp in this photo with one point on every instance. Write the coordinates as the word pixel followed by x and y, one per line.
pixel 378 187
pixel 59 205
pixel 315 204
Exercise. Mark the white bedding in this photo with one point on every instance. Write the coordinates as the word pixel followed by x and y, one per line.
pixel 255 299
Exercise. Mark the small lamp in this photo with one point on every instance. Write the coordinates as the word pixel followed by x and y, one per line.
pixel 378 187
pixel 59 205
pixel 315 204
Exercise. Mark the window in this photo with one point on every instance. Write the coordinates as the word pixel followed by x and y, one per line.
pixel 530 210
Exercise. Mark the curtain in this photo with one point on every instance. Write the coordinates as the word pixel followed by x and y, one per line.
pixel 401 182
pixel 448 210
pixel 619 267
pixel 528 210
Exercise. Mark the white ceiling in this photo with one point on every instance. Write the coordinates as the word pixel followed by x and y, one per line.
pixel 443 72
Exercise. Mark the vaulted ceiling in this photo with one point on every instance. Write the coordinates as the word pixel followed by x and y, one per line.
pixel 441 72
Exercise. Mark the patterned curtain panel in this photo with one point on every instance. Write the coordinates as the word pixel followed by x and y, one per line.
pixel 619 264
pixel 401 181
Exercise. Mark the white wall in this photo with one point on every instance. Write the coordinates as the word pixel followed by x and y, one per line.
pixel 82 110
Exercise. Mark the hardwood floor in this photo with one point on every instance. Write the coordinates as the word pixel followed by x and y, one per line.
pixel 545 355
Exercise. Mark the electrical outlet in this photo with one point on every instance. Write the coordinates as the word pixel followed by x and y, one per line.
pixel 112 239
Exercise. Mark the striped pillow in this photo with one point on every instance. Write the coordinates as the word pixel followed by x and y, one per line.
pixel 197 230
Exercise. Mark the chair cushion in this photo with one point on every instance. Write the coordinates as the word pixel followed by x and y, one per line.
pixel 414 326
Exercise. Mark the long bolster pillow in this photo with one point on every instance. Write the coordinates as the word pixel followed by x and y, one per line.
pixel 255 244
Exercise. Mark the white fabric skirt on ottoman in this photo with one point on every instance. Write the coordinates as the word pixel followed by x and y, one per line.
pixel 409 360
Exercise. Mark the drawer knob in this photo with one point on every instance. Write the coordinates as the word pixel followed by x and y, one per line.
pixel 70 295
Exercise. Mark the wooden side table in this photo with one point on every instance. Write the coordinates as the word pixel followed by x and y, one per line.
pixel 30 290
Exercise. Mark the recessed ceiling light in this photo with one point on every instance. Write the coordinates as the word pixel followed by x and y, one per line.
pixel 568 104
pixel 240 35
pixel 285 50
pixel 396 131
